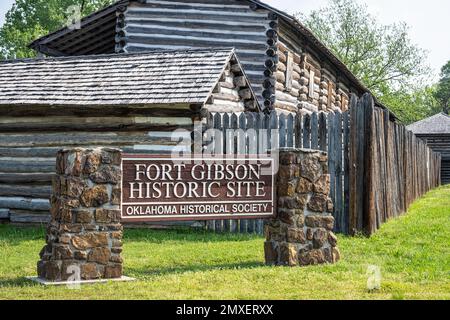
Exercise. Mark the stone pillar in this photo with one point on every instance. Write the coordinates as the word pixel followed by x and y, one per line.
pixel 301 233
pixel 85 232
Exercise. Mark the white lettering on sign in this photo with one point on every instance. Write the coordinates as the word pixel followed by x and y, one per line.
pixel 158 188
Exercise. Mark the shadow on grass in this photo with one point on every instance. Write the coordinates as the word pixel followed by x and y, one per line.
pixel 183 234
pixel 14 235
pixel 17 282
pixel 142 272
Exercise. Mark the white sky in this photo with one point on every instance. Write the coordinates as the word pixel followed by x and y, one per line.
pixel 429 20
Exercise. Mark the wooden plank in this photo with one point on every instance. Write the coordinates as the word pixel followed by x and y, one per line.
pixel 307 131
pixel 25 203
pixel 346 151
pixel 282 130
pixel 26 178
pixel 242 149
pixel 226 124
pixel 369 219
pixel 314 131
pixel 218 149
pixel 337 153
pixel 290 131
pixel 4 213
pixel 27 165
pixel 353 170
pixel 25 191
pixel 18 216
pixel 262 149
pixel 322 131
pixel 274 132
pixel 332 161
pixel 298 131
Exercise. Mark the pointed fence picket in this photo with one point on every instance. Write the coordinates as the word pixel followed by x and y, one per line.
pixel 262 132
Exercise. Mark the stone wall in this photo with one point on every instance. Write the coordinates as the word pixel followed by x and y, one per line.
pixel 301 233
pixel 85 229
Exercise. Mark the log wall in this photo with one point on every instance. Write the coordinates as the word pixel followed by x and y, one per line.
pixel 156 25
pixel 440 143
pixel 284 71
pixel 29 143
pixel 305 82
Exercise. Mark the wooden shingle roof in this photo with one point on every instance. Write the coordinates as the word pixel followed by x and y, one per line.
pixel 157 77
pixel 437 124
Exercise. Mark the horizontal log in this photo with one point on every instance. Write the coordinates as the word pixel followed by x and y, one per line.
pixel 175 110
pixel 281 67
pixel 280 76
pixel 245 94
pixel 18 178
pixel 90 123
pixel 29 152
pixel 81 139
pixel 4 213
pixel 286 97
pixel 25 191
pixel 284 105
pixel 240 81
pixel 226 97
pixel 25 203
pixel 27 217
pixel 26 165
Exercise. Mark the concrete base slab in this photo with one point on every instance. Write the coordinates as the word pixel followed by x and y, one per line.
pixel 60 283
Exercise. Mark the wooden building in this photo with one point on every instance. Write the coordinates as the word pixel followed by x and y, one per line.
pixel 435 131
pixel 131 101
pixel 289 68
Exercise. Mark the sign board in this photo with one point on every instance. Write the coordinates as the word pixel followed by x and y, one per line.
pixel 160 188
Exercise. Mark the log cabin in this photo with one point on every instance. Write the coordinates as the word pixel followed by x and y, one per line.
pixel 132 101
pixel 435 131
pixel 289 68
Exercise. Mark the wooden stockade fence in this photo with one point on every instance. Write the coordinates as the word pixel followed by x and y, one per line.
pixel 316 131
pixel 371 159
pixel 390 168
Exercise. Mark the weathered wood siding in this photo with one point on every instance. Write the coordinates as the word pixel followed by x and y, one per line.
pixel 304 80
pixel 440 143
pixel 159 24
pixel 232 93
pixel 389 167
pixel 29 142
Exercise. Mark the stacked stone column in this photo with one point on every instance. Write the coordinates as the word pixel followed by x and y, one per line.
pixel 85 230
pixel 302 231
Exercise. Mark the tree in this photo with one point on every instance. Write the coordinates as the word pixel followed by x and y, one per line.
pixel 442 93
pixel 412 106
pixel 28 20
pixel 381 56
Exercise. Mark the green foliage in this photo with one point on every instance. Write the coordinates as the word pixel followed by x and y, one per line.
pixel 442 93
pixel 381 56
pixel 412 252
pixel 414 106
pixel 28 20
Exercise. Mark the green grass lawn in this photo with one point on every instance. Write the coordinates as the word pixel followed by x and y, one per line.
pixel 413 253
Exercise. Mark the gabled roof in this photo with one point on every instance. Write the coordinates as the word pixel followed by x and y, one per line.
pixel 437 124
pixel 96 35
pixel 102 23
pixel 157 77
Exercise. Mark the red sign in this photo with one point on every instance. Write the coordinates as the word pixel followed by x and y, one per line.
pixel 160 188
